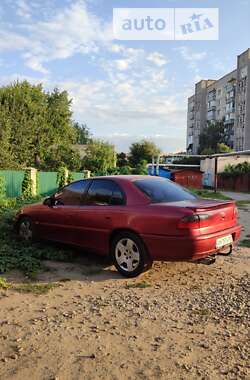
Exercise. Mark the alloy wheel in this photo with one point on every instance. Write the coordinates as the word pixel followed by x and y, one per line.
pixel 127 254
pixel 25 230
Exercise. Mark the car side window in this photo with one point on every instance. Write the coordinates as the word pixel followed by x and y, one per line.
pixel 104 192
pixel 72 194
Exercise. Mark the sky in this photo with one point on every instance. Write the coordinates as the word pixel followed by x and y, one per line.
pixel 124 91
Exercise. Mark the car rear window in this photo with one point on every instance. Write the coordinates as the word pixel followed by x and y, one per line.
pixel 163 190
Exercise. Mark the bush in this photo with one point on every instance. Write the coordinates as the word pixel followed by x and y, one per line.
pixel 7 203
pixel 27 185
pixel 15 254
pixel 141 168
pixel 125 170
pixel 2 188
pixel 61 177
pixel 236 170
pixel 70 178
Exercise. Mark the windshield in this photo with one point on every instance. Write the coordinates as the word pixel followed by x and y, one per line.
pixel 163 190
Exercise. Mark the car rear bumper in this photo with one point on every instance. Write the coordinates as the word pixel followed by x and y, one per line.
pixel 176 248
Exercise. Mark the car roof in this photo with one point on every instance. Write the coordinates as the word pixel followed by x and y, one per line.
pixel 129 177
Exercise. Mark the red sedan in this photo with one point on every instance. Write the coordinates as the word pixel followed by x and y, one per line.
pixel 134 219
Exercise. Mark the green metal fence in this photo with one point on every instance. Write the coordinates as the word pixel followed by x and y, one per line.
pixel 77 175
pixel 47 184
pixel 13 182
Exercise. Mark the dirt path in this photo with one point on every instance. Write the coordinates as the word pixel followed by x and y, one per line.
pixel 177 321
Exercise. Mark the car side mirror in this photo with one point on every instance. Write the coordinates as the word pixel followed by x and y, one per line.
pixel 50 202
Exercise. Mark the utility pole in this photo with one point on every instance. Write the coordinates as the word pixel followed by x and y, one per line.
pixel 215 174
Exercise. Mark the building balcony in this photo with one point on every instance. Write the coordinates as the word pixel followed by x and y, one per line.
pixel 211 115
pixel 211 95
pixel 230 96
pixel 211 108
pixel 230 118
pixel 230 110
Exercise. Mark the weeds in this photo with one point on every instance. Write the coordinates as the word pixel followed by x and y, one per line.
pixel 245 243
pixel 42 288
pixel 15 254
pixel 139 285
pixel 4 284
pixel 35 288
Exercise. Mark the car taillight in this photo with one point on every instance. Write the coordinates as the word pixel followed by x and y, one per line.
pixel 192 221
pixel 236 212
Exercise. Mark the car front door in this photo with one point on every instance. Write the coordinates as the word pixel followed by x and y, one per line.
pixel 92 222
pixel 55 222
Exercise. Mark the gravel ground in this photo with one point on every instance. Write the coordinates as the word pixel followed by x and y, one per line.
pixel 177 321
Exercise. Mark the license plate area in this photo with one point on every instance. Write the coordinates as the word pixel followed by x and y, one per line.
pixel 224 241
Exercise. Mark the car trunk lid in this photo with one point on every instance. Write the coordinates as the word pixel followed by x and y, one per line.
pixel 214 215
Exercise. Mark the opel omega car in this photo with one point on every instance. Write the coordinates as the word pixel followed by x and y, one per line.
pixel 134 219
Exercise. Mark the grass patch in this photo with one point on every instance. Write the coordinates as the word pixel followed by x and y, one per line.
pixel 15 254
pixel 242 203
pixel 4 284
pixel 42 288
pixel 139 285
pixel 245 243
pixel 35 288
pixel 209 194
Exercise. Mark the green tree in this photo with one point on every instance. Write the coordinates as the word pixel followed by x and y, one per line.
pixel 223 148
pixel 82 133
pixel 122 159
pixel 142 151
pixel 125 170
pixel 212 139
pixel 187 161
pixel 141 168
pixel 99 157
pixel 61 155
pixel 33 123
pixel 7 159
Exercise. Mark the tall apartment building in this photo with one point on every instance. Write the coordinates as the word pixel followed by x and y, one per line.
pixel 226 99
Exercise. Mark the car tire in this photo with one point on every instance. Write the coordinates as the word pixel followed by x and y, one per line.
pixel 129 254
pixel 25 229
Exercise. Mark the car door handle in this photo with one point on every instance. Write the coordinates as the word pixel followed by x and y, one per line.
pixel 107 217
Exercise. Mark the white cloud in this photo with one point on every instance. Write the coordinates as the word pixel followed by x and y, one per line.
pixel 188 55
pixel 33 63
pixel 192 58
pixel 168 144
pixel 12 41
pixel 132 97
pixel 73 29
pixel 122 64
pixel 157 58
pixel 23 9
